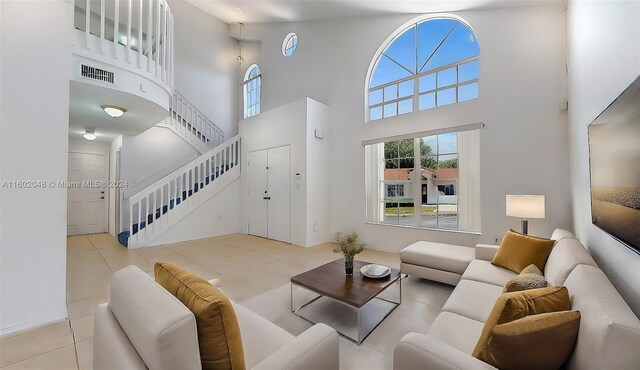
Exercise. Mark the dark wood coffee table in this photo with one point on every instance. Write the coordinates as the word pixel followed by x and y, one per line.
pixel 330 281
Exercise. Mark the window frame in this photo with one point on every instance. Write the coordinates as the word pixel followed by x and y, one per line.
pixel 416 77
pixel 380 198
pixel 294 45
pixel 246 92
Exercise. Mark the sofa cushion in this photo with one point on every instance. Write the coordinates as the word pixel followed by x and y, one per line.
pixel 529 278
pixel 565 256
pixel 542 341
pixel 218 330
pixel 609 336
pixel 260 337
pixel 439 256
pixel 559 234
pixel 457 331
pixel 518 251
pixel 473 299
pixel 485 272
pixel 516 305
pixel 162 330
pixel 111 347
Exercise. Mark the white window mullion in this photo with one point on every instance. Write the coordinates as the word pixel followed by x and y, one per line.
pixel 417 183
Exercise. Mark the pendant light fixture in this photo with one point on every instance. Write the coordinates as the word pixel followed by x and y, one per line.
pixel 240 59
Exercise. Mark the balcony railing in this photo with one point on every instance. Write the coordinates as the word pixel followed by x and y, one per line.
pixel 136 35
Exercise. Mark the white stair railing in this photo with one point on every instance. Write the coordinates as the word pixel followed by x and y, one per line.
pixel 192 125
pixel 136 35
pixel 162 204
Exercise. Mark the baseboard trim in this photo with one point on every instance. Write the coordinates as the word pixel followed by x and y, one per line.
pixel 34 324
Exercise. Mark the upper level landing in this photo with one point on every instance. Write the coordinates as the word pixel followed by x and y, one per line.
pixel 122 54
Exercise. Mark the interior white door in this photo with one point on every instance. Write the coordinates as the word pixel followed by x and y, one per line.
pixel 86 200
pixel 279 197
pixel 257 196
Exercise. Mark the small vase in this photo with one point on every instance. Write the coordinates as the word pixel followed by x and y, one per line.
pixel 348 265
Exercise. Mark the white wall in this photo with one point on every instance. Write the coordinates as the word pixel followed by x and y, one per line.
pixel 34 114
pixel 205 69
pixel 318 174
pixel 115 146
pixel 151 155
pixel 604 58
pixel 522 82
pixel 217 216
pixel 281 126
pixel 293 124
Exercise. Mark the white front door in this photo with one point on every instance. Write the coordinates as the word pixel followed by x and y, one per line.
pixel 86 198
pixel 279 214
pixel 269 194
pixel 258 193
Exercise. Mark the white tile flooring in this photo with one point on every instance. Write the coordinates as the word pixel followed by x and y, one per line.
pixel 247 267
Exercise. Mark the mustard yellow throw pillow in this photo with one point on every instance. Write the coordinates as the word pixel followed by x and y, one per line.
pixel 543 341
pixel 218 330
pixel 529 278
pixel 516 305
pixel 518 251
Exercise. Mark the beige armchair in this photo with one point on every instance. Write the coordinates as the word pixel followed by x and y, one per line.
pixel 144 326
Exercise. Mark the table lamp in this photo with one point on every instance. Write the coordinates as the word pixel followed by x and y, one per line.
pixel 525 207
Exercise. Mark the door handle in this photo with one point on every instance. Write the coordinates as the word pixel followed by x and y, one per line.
pixel 267 198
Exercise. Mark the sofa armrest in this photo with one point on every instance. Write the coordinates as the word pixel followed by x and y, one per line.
pixel 418 351
pixel 486 251
pixel 316 348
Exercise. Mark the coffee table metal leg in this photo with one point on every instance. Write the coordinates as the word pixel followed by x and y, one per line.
pixel 358 328
pixel 400 288
pixel 294 310
pixel 359 338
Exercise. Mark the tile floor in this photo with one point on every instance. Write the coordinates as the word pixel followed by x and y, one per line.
pixel 247 267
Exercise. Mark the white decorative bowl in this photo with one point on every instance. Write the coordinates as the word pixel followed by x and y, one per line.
pixel 375 271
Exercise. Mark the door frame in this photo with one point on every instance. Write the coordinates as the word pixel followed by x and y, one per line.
pixel 249 151
pixel 106 192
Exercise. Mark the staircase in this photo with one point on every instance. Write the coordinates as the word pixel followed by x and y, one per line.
pixel 191 125
pixel 162 204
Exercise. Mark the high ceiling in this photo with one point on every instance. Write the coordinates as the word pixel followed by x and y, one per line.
pixel 269 11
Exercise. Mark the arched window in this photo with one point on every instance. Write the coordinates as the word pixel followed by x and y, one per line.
pixel 251 88
pixel 431 63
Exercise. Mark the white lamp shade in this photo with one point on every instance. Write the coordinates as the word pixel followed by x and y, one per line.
pixel 525 206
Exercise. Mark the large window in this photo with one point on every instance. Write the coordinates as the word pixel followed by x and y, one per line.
pixel 251 88
pixel 430 64
pixel 427 180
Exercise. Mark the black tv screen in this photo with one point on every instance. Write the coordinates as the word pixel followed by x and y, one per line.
pixel 614 156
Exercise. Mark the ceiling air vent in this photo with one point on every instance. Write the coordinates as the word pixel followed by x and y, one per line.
pixel 96 74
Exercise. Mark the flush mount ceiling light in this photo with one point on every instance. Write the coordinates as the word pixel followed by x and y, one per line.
pixel 89 134
pixel 113 111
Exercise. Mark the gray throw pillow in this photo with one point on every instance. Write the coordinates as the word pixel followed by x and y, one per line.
pixel 529 278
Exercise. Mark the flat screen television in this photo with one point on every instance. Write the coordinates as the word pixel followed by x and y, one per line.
pixel 614 158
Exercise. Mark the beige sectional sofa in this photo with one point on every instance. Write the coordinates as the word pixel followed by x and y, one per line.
pixel 144 326
pixel 609 336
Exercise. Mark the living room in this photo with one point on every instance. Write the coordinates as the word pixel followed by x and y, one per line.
pixel 339 158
